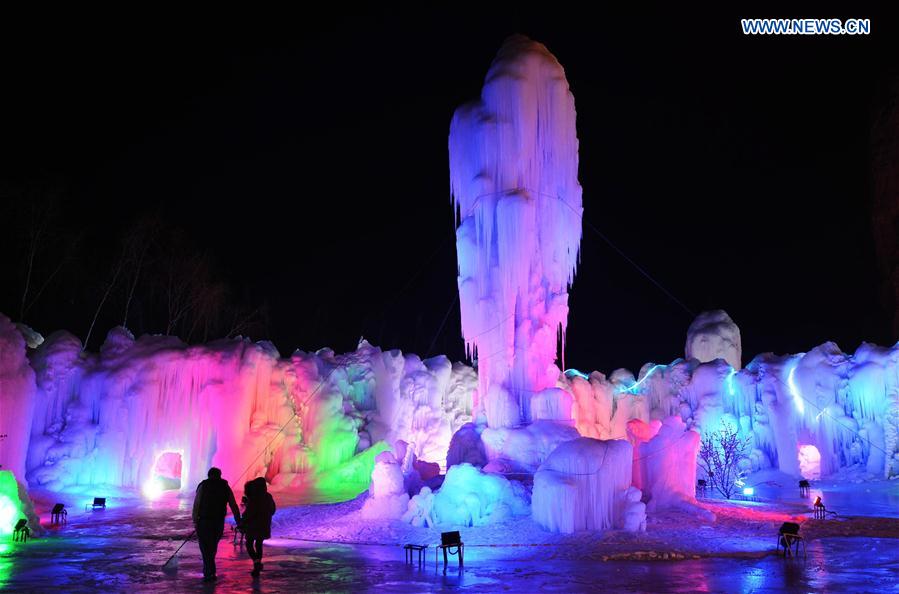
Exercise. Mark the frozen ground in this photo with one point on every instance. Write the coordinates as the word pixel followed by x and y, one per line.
pixel 124 547
pixel 110 563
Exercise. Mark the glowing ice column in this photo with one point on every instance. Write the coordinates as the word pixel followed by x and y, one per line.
pixel 513 176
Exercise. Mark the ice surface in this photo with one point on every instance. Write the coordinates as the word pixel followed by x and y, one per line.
pixel 582 486
pixel 513 176
pixel 713 335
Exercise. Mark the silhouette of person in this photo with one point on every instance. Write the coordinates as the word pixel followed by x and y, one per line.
pixel 257 520
pixel 213 495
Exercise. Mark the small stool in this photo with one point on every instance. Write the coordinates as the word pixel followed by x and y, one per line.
pixel 819 511
pixel 804 488
pixel 59 515
pixel 21 531
pixel 415 547
pixel 701 487
pixel 238 535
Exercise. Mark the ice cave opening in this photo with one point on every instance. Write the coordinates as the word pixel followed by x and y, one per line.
pixel 166 474
pixel 809 462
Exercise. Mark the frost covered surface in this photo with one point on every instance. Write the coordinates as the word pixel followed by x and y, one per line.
pixel 513 176
pixel 582 485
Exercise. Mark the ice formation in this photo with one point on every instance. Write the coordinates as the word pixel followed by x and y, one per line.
pixel 634 515
pixel 418 513
pixel 665 462
pixel 387 493
pixel 470 497
pixel 713 335
pixel 17 394
pixel 513 176
pixel 525 448
pixel 582 485
pixel 15 505
pixel 131 413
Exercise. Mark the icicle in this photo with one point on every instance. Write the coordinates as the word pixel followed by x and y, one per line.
pixel 513 176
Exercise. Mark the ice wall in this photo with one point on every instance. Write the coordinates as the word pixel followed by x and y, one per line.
pixel 513 176
pixel 665 462
pixel 17 392
pixel 844 406
pixel 112 418
pixel 469 497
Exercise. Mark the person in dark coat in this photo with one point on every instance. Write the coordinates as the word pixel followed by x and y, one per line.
pixel 213 496
pixel 257 519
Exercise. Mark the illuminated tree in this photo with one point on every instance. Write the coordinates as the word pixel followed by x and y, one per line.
pixel 719 455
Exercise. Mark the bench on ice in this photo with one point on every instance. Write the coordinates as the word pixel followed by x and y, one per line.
pixel 99 503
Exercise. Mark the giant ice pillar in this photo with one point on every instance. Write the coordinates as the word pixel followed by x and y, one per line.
pixel 513 176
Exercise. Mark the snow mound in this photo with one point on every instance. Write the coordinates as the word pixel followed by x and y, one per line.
pixel 582 485
pixel 387 493
pixel 634 515
pixel 470 497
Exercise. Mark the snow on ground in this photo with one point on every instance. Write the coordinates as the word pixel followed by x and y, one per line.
pixel 741 528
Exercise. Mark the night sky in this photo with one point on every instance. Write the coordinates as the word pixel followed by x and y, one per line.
pixel 308 156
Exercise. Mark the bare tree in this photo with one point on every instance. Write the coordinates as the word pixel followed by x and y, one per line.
pixel 42 250
pixel 116 272
pixel 137 245
pixel 719 455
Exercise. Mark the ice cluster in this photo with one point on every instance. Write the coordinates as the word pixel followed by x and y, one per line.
pixel 513 177
pixel 121 417
pixel 583 485
pixel 17 396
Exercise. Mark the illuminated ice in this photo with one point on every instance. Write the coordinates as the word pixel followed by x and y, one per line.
pixel 470 497
pixel 665 463
pixel 17 395
pixel 582 485
pixel 713 335
pixel 513 176
pixel 110 418
pixel 387 493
